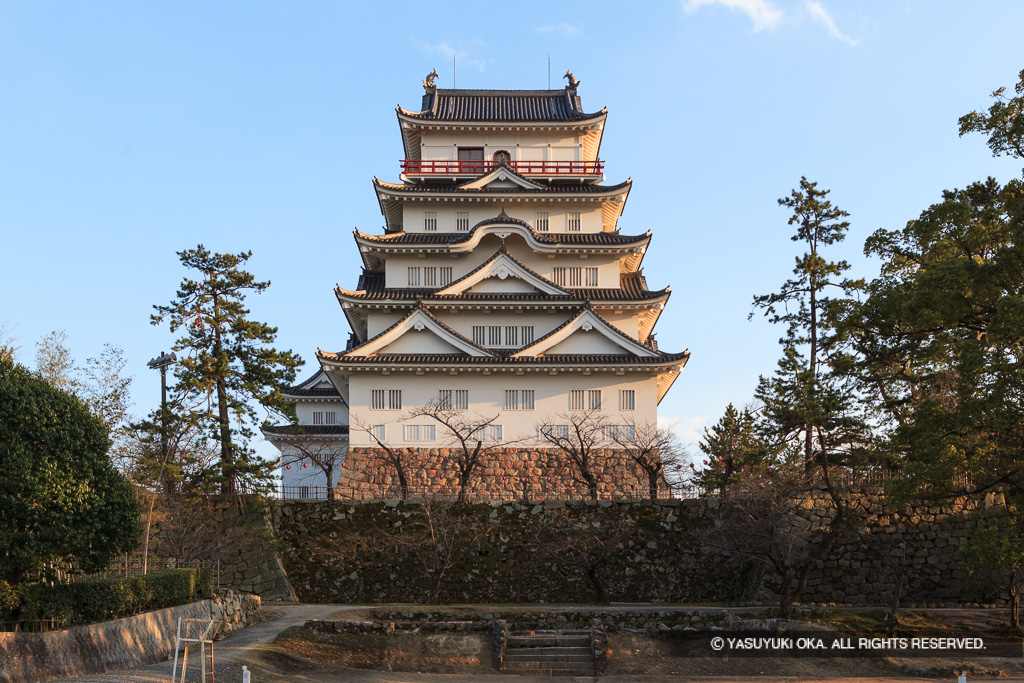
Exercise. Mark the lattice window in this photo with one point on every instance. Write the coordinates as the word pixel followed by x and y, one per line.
pixel 479 335
pixel 552 431
pixel 574 221
pixel 430 221
pixel 444 276
pixel 541 224
pixel 378 432
pixel 325 417
pixel 577 399
pixel 386 399
pixel 591 274
pixel 627 399
pixel 462 221
pixel 430 276
pixel 519 399
pixel 419 432
pixel 415 276
pixel 620 433
pixel 453 399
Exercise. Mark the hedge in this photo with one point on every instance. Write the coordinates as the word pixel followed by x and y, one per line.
pixel 88 602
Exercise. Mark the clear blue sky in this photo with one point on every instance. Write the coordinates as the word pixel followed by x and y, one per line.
pixel 132 130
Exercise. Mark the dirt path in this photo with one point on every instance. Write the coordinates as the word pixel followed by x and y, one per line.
pixel 237 649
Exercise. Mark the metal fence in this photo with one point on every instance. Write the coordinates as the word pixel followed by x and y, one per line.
pixel 474 493
pixel 132 565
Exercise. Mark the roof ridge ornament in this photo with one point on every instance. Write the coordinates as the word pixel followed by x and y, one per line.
pixel 428 82
pixel 503 216
pixel 574 83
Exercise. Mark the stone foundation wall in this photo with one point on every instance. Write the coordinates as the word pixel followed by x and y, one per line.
pixel 504 473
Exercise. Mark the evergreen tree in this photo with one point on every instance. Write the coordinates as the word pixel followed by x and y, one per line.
pixel 806 402
pixel 228 365
pixel 732 445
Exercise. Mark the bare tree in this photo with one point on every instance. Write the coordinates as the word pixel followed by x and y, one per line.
pixel 767 520
pixel 654 449
pixel 8 343
pixel 325 453
pixel 578 435
pixel 579 544
pixel 469 437
pixel 55 363
pixel 443 535
pixel 392 457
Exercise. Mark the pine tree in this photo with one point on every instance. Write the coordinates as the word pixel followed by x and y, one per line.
pixel 227 363
pixel 732 445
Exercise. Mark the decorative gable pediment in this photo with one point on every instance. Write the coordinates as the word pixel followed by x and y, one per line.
pixel 503 274
pixel 419 333
pixel 502 177
pixel 586 334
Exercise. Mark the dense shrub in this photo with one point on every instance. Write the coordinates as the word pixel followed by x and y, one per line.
pixel 86 602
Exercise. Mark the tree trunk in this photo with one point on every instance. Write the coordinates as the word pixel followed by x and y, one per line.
pixel 591 485
pixel 599 593
pixel 893 620
pixel 1014 608
pixel 786 596
pixel 227 460
pixel 652 485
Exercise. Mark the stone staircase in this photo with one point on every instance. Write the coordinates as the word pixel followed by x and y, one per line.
pixel 550 653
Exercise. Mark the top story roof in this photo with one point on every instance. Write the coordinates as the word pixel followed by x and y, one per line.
pixel 501 105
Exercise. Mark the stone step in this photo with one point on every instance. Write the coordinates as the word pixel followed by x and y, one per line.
pixel 553 659
pixel 526 652
pixel 551 669
pixel 548 641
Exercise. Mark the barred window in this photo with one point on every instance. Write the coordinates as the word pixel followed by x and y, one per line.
pixel 511 335
pixel 445 276
pixel 453 399
pixel 414 276
pixel 327 417
pixel 591 277
pixel 576 399
pixel 430 276
pixel 569 277
pixel 574 221
pixel 494 335
pixel 479 335
pixel 545 432
pixel 462 221
pixel 541 224
pixel 620 432
pixel 430 221
pixel 419 432
pixel 386 399
pixel 519 399
pixel 487 433
pixel 594 399
pixel 627 399
pixel 377 432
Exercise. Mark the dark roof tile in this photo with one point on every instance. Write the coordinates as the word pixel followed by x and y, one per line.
pixel 501 105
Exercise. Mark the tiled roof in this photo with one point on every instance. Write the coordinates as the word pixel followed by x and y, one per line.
pixel 296 390
pixel 551 359
pixel 427 188
pixel 419 307
pixel 501 105
pixel 307 430
pixel 633 286
pixel 569 238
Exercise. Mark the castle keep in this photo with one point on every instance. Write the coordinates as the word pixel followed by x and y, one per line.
pixel 501 292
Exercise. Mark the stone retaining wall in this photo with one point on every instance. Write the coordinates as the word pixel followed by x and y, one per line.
pixel 529 473
pixel 119 644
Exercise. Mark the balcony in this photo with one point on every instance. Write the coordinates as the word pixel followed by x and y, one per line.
pixel 551 169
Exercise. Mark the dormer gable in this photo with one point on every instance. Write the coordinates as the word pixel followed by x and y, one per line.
pixel 419 333
pixel 503 273
pixel 588 334
pixel 503 178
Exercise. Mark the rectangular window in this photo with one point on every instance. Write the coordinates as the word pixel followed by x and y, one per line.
pixel 414 276
pixel 571 277
pixel 430 221
pixel 591 274
pixel 559 277
pixel 545 432
pixel 487 433
pixel 471 159
pixel 453 399
pixel 419 432
pixel 627 399
pixel 519 399
pixel 444 276
pixel 511 335
pixel 327 417
pixel 541 224
pixel 526 334
pixel 620 433
pixel 574 221
pixel 594 399
pixel 494 335
pixel 430 276
pixel 462 221
pixel 304 492
pixel 576 399
pixel 390 399
pixel 377 432
pixel 479 335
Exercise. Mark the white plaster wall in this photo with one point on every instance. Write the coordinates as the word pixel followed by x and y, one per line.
pixel 422 341
pixel 396 267
pixel 539 145
pixel 487 398
pixel 305 408
pixel 590 212
pixel 543 320
pixel 586 342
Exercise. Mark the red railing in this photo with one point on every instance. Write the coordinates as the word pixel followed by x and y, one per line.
pixel 462 167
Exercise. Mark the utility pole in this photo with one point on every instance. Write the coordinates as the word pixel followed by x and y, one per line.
pixel 160 363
